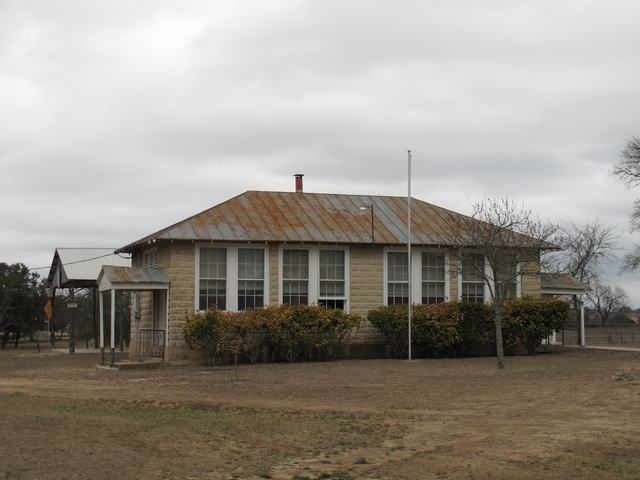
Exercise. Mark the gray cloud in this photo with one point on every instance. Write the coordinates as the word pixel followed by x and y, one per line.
pixel 120 118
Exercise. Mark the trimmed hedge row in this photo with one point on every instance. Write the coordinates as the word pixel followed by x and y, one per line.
pixel 470 325
pixel 290 329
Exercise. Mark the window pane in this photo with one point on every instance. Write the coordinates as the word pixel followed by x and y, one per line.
pixel 213 292
pixel 213 275
pixel 331 264
pixel 433 267
pixel 397 267
pixel 433 277
pixel 331 289
pixel 295 264
pixel 295 292
pixel 472 267
pixel 251 263
pixel 397 278
pixel 432 293
pixel 508 274
pixel 332 275
pixel 250 294
pixel 398 293
pixel 473 292
pixel 332 304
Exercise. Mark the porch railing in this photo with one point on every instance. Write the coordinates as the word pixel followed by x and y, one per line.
pixel 151 343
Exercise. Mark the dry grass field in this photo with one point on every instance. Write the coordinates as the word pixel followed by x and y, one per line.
pixel 565 414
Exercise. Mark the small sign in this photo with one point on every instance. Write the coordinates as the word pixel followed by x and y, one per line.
pixel 72 305
pixel 48 310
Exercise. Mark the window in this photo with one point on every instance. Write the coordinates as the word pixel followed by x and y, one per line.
pixel 509 275
pixel 295 277
pixel 250 278
pixel 231 277
pixel 397 278
pixel 314 275
pixel 472 284
pixel 433 277
pixel 332 279
pixel 429 276
pixel 213 278
pixel 150 258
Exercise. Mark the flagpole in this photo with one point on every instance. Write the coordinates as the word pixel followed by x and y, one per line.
pixel 409 243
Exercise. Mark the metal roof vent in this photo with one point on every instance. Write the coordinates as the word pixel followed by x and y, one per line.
pixel 299 182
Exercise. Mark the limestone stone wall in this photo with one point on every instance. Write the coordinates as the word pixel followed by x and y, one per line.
pixel 180 268
pixel 272 298
pixel 454 293
pixel 530 286
pixel 366 290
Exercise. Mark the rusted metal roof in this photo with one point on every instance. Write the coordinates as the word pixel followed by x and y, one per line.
pixel 132 278
pixel 310 218
pixel 561 284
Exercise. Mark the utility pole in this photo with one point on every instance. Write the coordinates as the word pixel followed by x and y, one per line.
pixel 409 243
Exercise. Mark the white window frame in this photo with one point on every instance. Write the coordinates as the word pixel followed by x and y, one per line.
pixel 232 272
pixel 486 292
pixel 447 274
pixel 416 272
pixel 314 271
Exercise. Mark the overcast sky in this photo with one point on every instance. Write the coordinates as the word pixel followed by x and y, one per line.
pixel 120 118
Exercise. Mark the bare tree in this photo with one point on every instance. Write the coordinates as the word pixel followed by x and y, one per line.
pixel 607 299
pixel 628 171
pixel 585 250
pixel 500 242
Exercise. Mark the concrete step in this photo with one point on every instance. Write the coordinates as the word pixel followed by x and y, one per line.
pixel 145 364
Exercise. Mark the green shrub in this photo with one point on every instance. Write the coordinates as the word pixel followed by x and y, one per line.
pixel 289 328
pixel 293 328
pixel 209 332
pixel 392 322
pixel 335 329
pixel 476 328
pixel 249 329
pixel 436 326
pixel 530 320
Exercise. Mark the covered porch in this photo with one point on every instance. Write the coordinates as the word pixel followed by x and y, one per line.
pixel 148 341
pixel 553 285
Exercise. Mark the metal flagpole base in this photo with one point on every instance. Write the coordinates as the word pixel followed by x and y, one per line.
pixel 113 357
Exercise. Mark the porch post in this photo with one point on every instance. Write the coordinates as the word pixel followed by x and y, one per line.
pixel 101 329
pixel 72 323
pixel 136 314
pixel 166 329
pixel 113 327
pixel 582 339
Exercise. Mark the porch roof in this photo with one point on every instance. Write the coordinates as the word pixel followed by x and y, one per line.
pixel 561 284
pixel 80 267
pixel 114 277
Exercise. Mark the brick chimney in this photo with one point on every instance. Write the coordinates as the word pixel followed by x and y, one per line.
pixel 299 182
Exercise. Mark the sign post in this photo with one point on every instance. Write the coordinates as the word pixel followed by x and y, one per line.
pixel 48 311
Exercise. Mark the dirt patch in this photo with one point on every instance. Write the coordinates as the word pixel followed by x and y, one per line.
pixel 569 413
